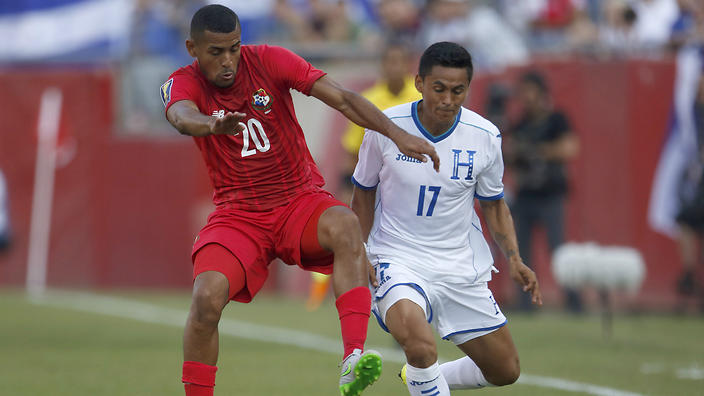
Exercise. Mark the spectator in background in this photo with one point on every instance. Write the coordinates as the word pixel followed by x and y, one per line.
pixel 543 23
pixel 476 26
pixel 395 86
pixel 159 28
pixel 688 27
pixel 654 20
pixel 583 33
pixel 156 46
pixel 617 33
pixel 538 149
pixel 4 216
pixel 399 19
pixel 549 28
pixel 315 21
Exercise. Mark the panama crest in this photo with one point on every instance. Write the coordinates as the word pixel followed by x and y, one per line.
pixel 261 100
pixel 166 91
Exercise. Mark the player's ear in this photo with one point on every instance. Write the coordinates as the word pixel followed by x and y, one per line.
pixel 419 83
pixel 191 47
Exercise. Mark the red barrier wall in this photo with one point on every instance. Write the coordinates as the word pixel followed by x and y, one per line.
pixel 123 209
pixel 127 209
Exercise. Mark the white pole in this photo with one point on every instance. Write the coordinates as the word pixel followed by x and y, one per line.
pixel 43 197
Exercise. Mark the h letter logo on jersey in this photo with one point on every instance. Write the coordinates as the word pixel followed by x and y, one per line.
pixel 166 91
pixel 261 100
pixel 456 164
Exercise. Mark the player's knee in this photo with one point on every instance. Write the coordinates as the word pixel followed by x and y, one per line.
pixel 420 353
pixel 344 232
pixel 207 304
pixel 508 375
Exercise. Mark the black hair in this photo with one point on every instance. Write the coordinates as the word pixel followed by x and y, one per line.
pixel 445 54
pixel 536 79
pixel 214 18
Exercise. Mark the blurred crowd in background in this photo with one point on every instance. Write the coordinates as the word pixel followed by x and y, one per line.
pixel 497 33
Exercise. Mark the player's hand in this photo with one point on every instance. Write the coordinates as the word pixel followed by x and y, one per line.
pixel 229 124
pixel 417 148
pixel 372 275
pixel 525 277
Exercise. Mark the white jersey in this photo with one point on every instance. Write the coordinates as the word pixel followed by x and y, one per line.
pixel 426 220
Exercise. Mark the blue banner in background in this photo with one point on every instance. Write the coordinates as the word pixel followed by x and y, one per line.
pixel 64 30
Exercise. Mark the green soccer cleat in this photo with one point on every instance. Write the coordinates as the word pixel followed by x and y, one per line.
pixel 359 370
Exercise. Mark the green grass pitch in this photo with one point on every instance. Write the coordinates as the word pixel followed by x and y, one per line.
pixel 61 350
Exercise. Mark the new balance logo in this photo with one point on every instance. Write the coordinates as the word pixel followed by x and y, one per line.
pixel 219 113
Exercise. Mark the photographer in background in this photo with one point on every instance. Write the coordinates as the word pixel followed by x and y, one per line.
pixel 537 150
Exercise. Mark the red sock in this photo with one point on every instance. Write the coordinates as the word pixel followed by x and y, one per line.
pixel 354 308
pixel 198 379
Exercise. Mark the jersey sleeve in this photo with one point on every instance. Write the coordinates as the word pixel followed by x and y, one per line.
pixel 490 185
pixel 292 70
pixel 366 173
pixel 180 86
pixel 560 125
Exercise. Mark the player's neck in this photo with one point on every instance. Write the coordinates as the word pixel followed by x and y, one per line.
pixel 395 86
pixel 434 127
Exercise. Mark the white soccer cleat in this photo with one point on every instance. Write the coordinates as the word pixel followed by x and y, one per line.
pixel 359 370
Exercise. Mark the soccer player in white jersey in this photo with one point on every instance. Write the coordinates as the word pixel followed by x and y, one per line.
pixel 425 240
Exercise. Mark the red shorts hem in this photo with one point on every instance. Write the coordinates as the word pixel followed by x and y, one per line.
pixel 256 239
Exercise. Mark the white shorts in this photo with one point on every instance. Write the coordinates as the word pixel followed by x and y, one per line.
pixel 458 312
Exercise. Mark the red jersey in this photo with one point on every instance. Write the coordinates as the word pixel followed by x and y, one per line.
pixel 267 163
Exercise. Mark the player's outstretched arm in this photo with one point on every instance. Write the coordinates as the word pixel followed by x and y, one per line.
pixel 363 113
pixel 188 120
pixel 500 222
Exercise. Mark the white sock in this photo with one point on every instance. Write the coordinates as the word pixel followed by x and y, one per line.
pixel 463 373
pixel 426 381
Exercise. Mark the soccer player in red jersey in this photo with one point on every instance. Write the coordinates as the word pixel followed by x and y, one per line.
pixel 235 102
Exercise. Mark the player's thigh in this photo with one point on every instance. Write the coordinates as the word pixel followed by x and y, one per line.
pixel 403 309
pixel 494 353
pixel 247 250
pixel 298 230
pixel 218 274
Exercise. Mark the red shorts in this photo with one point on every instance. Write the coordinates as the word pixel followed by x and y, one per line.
pixel 257 238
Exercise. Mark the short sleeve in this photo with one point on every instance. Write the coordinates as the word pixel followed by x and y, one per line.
pixel 490 185
pixel 180 86
pixel 559 125
pixel 294 71
pixel 366 173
